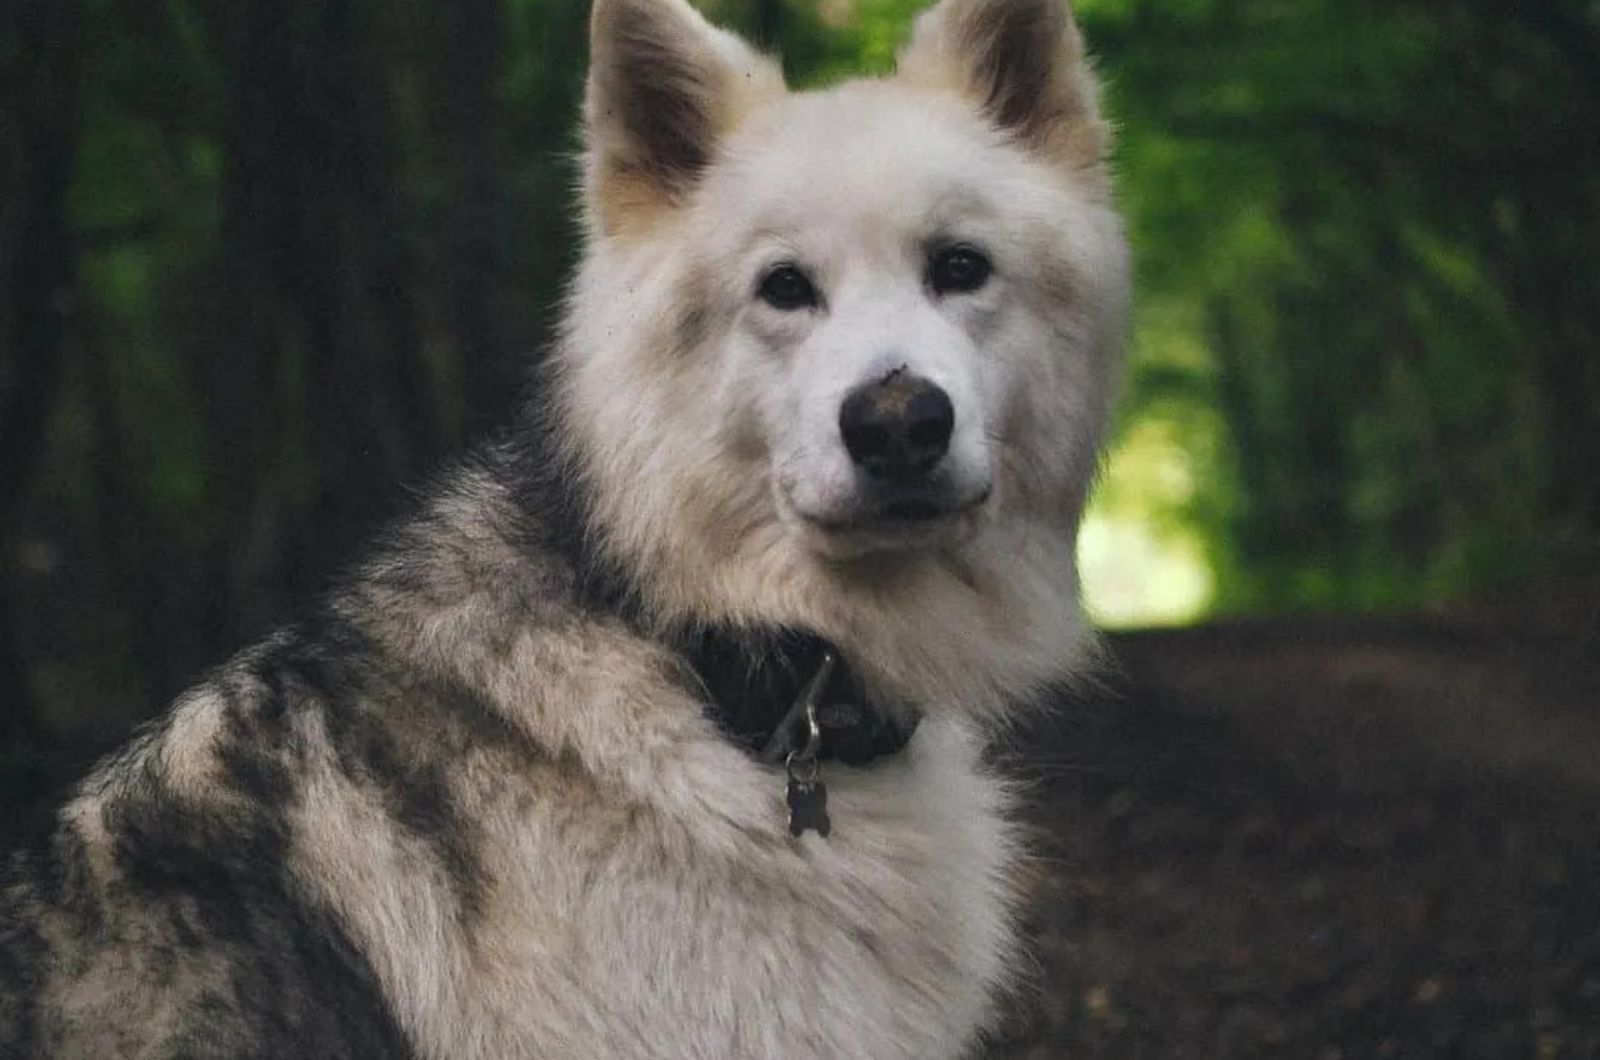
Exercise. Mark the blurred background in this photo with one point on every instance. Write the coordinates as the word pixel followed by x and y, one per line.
pixel 264 264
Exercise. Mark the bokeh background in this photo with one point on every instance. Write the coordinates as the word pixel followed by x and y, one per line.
pixel 264 263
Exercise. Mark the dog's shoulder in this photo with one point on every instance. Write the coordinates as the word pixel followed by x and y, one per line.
pixel 160 916
pixel 170 907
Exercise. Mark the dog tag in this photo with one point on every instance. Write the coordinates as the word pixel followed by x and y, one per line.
pixel 808 808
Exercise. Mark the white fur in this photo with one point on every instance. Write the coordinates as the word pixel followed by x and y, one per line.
pixel 615 930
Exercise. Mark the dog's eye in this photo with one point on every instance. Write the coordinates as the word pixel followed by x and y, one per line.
pixel 787 288
pixel 958 269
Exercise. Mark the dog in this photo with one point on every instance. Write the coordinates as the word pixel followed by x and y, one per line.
pixel 659 728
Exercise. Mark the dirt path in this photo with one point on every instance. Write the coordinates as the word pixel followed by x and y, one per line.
pixel 1322 840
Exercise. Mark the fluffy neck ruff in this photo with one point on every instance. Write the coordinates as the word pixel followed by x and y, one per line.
pixel 751 673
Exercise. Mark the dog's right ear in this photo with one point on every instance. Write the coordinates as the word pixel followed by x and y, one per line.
pixel 664 87
pixel 1022 62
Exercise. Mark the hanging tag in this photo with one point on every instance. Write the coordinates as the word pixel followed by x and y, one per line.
pixel 808 808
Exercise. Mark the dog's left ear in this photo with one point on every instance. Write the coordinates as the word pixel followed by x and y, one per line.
pixel 665 86
pixel 1022 62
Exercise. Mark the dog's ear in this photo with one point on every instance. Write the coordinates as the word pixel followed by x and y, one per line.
pixel 664 87
pixel 1022 63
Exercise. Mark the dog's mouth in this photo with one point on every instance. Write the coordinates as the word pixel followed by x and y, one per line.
pixel 915 510
pixel 899 519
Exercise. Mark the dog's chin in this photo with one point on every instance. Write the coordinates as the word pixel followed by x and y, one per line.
pixel 907 526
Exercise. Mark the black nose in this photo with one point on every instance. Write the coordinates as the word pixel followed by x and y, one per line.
pixel 898 427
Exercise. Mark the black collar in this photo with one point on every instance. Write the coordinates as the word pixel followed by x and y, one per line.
pixel 753 679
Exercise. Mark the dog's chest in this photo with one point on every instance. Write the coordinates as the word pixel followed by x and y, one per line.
pixel 614 933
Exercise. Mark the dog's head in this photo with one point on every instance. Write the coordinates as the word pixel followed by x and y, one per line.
pixel 873 320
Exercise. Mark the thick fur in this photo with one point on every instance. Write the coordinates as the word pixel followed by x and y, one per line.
pixel 473 806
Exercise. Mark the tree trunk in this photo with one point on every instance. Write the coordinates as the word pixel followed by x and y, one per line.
pixel 469 127
pixel 38 269
pixel 317 403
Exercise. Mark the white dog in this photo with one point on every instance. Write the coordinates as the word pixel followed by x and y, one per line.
pixel 657 731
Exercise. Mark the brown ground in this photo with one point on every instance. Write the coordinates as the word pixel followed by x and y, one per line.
pixel 1306 839
pixel 1323 840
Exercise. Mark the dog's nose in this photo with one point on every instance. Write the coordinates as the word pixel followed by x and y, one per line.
pixel 897 428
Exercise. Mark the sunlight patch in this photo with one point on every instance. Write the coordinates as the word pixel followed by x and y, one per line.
pixel 1135 576
pixel 1141 559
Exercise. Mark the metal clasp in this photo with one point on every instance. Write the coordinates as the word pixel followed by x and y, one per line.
pixel 805 706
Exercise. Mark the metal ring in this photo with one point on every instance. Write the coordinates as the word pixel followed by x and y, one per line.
pixel 794 759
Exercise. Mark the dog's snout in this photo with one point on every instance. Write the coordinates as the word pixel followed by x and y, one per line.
pixel 898 427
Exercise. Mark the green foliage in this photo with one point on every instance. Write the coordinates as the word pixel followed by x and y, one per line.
pixel 1332 301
